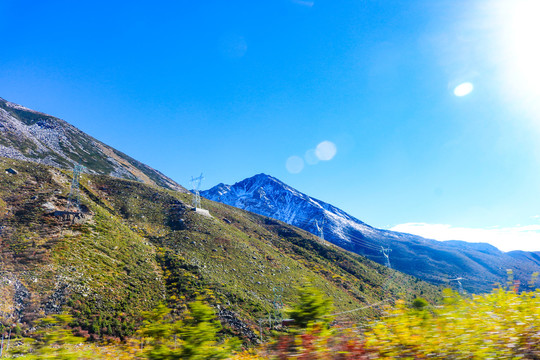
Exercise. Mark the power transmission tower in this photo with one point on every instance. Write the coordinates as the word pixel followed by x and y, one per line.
pixel 275 316
pixel 460 287
pixel 320 230
pixel 386 253
pixel 74 194
pixel 196 185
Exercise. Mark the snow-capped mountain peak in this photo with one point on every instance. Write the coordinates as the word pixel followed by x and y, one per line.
pixel 268 196
pixel 430 260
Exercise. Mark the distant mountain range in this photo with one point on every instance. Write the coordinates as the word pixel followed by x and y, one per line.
pixel 481 265
pixel 30 135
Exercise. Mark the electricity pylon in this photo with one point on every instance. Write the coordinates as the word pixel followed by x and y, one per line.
pixel 460 287
pixel 196 185
pixel 276 315
pixel 320 230
pixel 74 194
pixel 386 253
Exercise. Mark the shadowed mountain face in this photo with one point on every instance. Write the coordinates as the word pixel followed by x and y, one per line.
pixel 33 136
pixel 481 265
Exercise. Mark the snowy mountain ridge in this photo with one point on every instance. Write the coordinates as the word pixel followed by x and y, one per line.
pixel 268 196
pixel 482 265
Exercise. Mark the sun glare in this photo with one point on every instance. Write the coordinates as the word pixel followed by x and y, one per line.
pixel 521 50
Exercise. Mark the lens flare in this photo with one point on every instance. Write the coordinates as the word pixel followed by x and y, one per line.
pixel 463 89
pixel 311 157
pixel 294 164
pixel 326 150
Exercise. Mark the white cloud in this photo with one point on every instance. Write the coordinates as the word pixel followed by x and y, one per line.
pixel 507 239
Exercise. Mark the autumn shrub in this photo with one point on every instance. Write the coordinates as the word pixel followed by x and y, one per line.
pixel 500 325
pixel 503 324
pixel 53 340
pixel 319 343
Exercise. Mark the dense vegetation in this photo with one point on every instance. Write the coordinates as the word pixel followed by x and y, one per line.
pixel 137 245
pixel 500 325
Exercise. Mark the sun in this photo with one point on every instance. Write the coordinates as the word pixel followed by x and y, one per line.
pixel 520 48
pixel 523 36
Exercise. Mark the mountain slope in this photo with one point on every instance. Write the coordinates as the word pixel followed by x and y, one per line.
pixel 136 245
pixel 33 136
pixel 481 265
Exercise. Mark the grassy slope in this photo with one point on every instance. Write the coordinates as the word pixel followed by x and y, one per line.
pixel 140 244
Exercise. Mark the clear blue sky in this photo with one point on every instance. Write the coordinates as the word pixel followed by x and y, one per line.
pixel 234 88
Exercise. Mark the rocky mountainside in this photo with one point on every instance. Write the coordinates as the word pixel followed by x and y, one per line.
pixel 480 265
pixel 33 136
pixel 135 245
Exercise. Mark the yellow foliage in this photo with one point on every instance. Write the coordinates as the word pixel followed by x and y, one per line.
pixel 500 325
pixel 247 355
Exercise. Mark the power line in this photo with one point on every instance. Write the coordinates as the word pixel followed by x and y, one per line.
pixel 299 220
pixel 364 243
pixel 362 308
pixel 306 219
pixel 349 234
pixel 261 321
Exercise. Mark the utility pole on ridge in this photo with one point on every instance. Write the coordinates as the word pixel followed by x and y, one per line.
pixel 460 287
pixel 276 315
pixel 196 185
pixel 74 194
pixel 386 253
pixel 320 230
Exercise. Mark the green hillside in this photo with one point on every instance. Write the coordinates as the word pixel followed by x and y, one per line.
pixel 136 245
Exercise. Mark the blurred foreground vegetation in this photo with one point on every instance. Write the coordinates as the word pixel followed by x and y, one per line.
pixel 503 324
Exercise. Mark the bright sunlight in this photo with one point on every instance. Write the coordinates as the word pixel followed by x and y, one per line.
pixel 520 49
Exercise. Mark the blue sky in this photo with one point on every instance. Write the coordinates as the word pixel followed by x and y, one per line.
pixel 235 88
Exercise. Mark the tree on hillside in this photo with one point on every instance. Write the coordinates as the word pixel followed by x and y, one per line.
pixel 312 308
pixel 193 338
